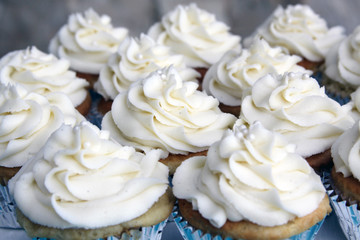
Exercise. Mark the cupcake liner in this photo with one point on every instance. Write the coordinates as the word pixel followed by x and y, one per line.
pixel 333 89
pixel 190 233
pixel 348 213
pixel 144 233
pixel 7 209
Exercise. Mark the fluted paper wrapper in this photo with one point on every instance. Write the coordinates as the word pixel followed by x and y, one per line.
pixel 348 213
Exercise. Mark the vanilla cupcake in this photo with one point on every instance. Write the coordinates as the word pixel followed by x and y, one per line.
pixel 342 74
pixel 251 185
pixel 87 41
pixel 163 112
pixel 44 73
pixel 234 73
pixel 135 59
pixel 27 120
pixel 82 185
pixel 295 105
pixel 345 179
pixel 301 31
pixel 196 34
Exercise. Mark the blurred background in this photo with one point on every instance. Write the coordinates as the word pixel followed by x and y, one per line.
pixel 25 23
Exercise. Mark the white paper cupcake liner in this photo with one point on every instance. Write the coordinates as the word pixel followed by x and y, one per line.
pixel 7 209
pixel 348 214
pixel 190 233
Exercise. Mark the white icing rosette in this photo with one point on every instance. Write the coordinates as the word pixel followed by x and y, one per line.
pixel 245 175
pixel 135 59
pixel 163 111
pixel 83 179
pixel 301 31
pixel 343 61
pixel 42 73
pixel 87 41
pixel 27 121
pixel 234 73
pixel 196 34
pixel 296 106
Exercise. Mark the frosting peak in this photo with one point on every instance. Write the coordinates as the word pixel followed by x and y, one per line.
pixel 234 73
pixel 295 105
pixel 135 59
pixel 42 73
pixel 27 119
pixel 300 30
pixel 250 174
pixel 165 112
pixel 87 41
pixel 82 179
pixel 196 34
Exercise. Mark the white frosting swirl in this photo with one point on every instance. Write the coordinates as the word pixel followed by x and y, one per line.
pixel 87 41
pixel 81 179
pixel 196 34
pixel 251 174
pixel 42 73
pixel 300 30
pixel 342 62
pixel 235 73
pixel 135 59
pixel 27 119
pixel 345 152
pixel 162 111
pixel 294 105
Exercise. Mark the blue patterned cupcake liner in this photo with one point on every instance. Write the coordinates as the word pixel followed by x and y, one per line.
pixel 7 209
pixel 348 214
pixel 190 233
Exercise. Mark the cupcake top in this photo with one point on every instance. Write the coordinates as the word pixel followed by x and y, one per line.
pixel 87 41
pixel 342 62
pixel 301 31
pixel 162 111
pixel 135 59
pixel 251 174
pixel 42 73
pixel 345 152
pixel 295 105
pixel 196 34
pixel 355 104
pixel 27 120
pixel 81 179
pixel 234 73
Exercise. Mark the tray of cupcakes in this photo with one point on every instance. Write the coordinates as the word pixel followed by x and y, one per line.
pixel 110 136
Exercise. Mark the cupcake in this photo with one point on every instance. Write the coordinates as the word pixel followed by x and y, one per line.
pixel 82 185
pixel 135 59
pixel 164 112
pixel 342 75
pixel 251 185
pixel 44 73
pixel 301 31
pixel 87 41
pixel 234 73
pixel 27 120
pixel 294 105
pixel 345 179
pixel 196 34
